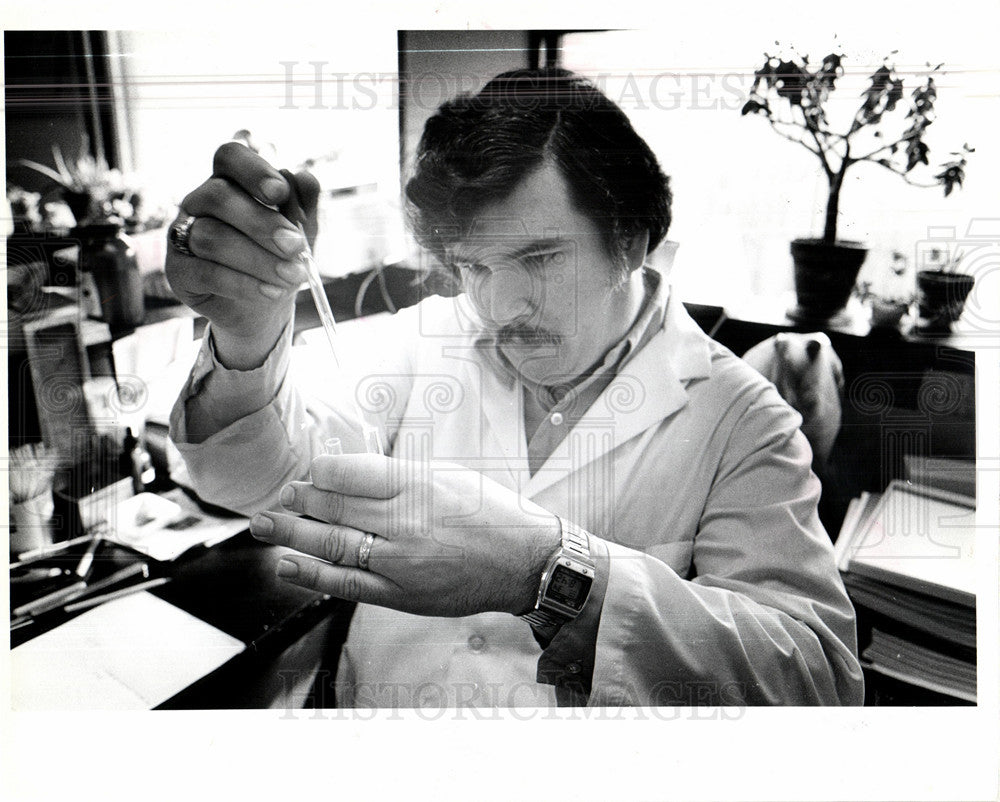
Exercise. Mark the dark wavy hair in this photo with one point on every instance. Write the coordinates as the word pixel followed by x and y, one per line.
pixel 477 148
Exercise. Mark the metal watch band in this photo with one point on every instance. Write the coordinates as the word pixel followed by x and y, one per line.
pixel 575 544
pixel 574 539
pixel 546 623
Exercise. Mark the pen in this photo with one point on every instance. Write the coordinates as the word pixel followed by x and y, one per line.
pixel 86 604
pixel 79 590
pixel 129 571
pixel 50 600
pixel 18 623
pixel 36 574
pixel 35 555
pixel 87 560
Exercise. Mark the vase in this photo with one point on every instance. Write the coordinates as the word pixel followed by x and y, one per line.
pixel 110 277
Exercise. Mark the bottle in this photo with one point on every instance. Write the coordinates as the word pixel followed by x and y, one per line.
pixel 136 462
pixel 109 271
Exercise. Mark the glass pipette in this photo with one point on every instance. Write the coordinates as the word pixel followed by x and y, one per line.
pixel 372 439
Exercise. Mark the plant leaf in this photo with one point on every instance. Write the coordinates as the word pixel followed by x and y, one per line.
pixel 48 171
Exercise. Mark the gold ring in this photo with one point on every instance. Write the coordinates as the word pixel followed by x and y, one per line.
pixel 365 550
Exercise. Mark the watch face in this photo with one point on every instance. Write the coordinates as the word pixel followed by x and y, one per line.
pixel 568 587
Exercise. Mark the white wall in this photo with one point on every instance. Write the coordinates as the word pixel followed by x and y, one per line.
pixel 741 192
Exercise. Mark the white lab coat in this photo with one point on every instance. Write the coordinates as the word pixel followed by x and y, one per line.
pixel 717 585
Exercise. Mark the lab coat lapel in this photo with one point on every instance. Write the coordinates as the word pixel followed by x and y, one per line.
pixel 648 389
pixel 503 414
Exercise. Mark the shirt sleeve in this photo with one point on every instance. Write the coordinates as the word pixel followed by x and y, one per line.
pixel 216 396
pixel 764 618
pixel 567 661
pixel 244 434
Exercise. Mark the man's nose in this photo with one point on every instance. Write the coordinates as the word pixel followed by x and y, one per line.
pixel 511 295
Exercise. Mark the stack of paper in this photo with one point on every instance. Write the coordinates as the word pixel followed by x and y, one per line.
pixel 908 555
pixel 920 665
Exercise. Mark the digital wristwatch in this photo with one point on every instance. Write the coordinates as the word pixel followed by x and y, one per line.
pixel 566 582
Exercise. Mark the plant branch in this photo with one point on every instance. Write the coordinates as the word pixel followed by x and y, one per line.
pixel 901 173
pixel 889 146
pixel 790 138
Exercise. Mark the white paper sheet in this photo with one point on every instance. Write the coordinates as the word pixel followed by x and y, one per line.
pixel 130 654
pixel 164 527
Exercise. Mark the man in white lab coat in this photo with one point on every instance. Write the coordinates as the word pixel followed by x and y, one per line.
pixel 585 500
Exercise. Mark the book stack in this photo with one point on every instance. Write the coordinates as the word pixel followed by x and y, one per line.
pixel 907 557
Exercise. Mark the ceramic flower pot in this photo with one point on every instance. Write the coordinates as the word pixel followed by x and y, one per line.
pixel 941 298
pixel 824 277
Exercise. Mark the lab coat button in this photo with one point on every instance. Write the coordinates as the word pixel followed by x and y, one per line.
pixel 556 419
pixel 573 668
pixel 476 643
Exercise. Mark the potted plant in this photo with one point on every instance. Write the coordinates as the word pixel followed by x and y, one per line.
pixel 887 130
pixel 104 204
pixel 941 292
pixel 889 296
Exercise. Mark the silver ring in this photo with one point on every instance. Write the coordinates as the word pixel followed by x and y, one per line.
pixel 365 550
pixel 180 235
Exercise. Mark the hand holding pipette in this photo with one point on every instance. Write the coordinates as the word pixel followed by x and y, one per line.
pixel 240 250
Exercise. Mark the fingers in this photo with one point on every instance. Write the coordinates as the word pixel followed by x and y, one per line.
pixel 366 514
pixel 222 200
pixel 336 571
pixel 344 583
pixel 214 241
pixel 296 196
pixel 302 202
pixel 237 163
pixel 365 475
pixel 330 542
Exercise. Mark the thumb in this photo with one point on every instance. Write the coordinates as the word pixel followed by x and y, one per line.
pixel 302 201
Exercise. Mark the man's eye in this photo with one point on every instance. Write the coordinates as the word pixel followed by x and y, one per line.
pixel 468 267
pixel 539 261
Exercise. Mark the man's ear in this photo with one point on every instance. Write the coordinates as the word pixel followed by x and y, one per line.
pixel 635 250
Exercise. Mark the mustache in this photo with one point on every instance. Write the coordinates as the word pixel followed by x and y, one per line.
pixel 520 334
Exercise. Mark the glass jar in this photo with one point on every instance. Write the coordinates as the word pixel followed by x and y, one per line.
pixel 109 270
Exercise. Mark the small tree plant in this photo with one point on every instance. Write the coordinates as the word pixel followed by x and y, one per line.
pixel 885 129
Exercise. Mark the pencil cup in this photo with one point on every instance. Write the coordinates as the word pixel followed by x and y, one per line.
pixel 33 522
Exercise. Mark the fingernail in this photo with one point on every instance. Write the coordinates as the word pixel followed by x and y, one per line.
pixel 286 568
pixel 273 189
pixel 261 525
pixel 287 497
pixel 291 272
pixel 288 240
pixel 271 291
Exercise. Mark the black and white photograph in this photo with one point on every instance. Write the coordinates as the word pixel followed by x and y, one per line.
pixel 449 401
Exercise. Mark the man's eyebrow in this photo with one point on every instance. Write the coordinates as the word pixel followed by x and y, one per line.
pixel 540 246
